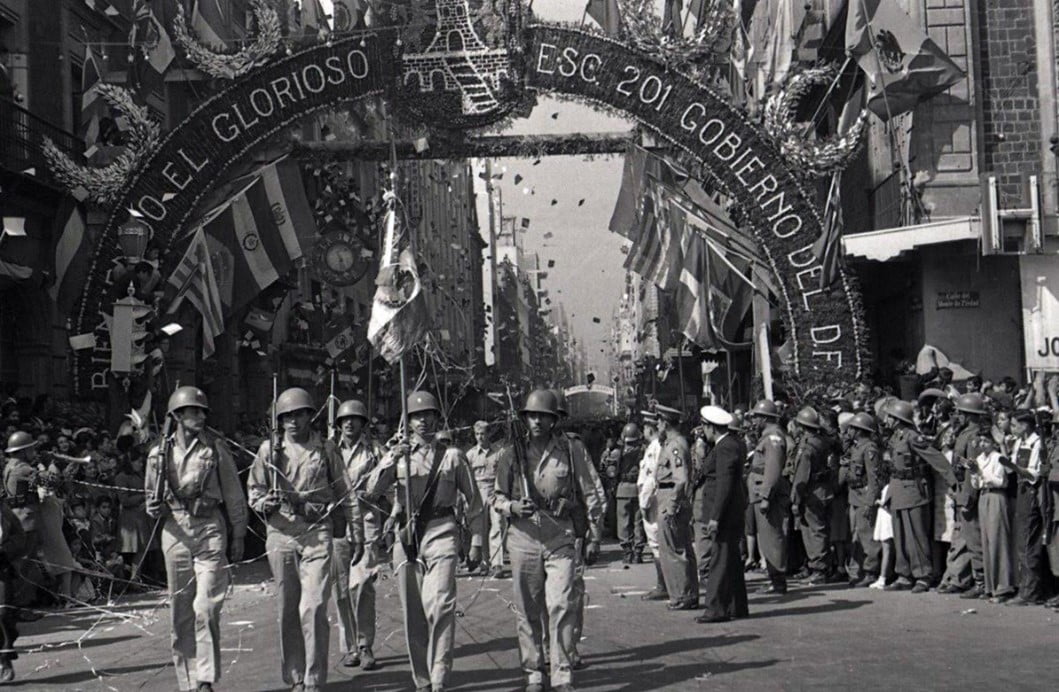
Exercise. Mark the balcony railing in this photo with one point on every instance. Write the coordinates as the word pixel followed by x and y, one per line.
pixel 22 139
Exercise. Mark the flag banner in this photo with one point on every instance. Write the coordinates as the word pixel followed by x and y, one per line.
pixel 350 14
pixel 606 14
pixel 291 211
pixel 730 290
pixel 623 219
pixel 207 19
pixel 340 343
pixel 195 280
pixel 151 47
pixel 691 306
pixel 72 255
pixel 314 20
pixel 902 64
pixel 399 317
pixel 93 108
pixel 827 247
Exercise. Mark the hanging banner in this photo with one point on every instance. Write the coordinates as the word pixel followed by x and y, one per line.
pixel 1039 275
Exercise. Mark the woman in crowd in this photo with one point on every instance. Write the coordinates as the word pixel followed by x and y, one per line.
pixel 134 529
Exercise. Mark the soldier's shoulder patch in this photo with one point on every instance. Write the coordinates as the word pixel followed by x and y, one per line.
pixel 774 438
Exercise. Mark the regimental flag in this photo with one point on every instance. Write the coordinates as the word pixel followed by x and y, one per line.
pixel 606 14
pixel 94 109
pixel 151 47
pixel 195 280
pixel 623 220
pixel 714 296
pixel 691 297
pixel 208 21
pixel 351 14
pixel 903 65
pixel 399 317
pixel 314 20
pixel 675 240
pixel 72 256
pixel 646 252
pixel 827 247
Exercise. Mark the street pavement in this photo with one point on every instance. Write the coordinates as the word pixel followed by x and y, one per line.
pixel 814 638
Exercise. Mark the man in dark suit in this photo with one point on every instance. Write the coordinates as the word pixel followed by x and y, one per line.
pixel 725 592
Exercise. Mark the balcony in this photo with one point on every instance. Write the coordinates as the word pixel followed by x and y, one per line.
pixel 22 139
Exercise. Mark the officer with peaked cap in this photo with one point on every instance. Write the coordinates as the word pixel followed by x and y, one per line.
pixel 192 484
pixel 482 458
pixel 724 594
pixel 646 486
pixel 425 561
pixel 674 510
pixel 296 481
pixel 770 493
pixel 355 582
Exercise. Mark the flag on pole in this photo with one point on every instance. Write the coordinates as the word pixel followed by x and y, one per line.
pixel 93 108
pixel 691 298
pixel 826 248
pixel 399 315
pixel 350 14
pixel 606 14
pixel 623 219
pixel 194 279
pixel 151 47
pixel 72 256
pixel 314 20
pixel 207 19
pixel 780 47
pixel 902 64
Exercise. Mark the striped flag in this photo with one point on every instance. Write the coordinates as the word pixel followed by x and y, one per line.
pixel 93 108
pixel 194 279
pixel 713 297
pixel 151 47
pixel 399 317
pixel 646 252
pixel 623 219
pixel 827 247
pixel 290 206
pixel 72 256
pixel 207 19
pixel 606 14
pixel 314 20
pixel 691 298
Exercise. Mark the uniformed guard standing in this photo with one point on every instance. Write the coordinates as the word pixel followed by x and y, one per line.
pixel 861 473
pixel 426 566
pixel 548 492
pixel 355 583
pixel 647 488
pixel 192 483
pixel 296 481
pixel 770 494
pixel 812 494
pixel 12 550
pixel 482 457
pixel 674 513
pixel 20 486
pixel 630 521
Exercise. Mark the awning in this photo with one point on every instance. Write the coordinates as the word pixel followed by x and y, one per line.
pixel 888 243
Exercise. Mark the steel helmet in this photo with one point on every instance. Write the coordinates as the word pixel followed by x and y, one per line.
pixel 808 417
pixel 738 421
pixel 631 433
pixel 183 397
pixel 542 401
pixel 18 441
pixel 766 409
pixel 422 401
pixel 902 411
pixel 353 408
pixel 294 399
pixel 560 399
pixel 971 403
pixel 864 421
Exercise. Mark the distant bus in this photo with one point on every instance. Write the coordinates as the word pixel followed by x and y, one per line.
pixel 591 402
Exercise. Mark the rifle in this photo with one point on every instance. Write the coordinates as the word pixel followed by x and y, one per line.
pixel 163 461
pixel 274 440
pixel 331 432
pixel 517 448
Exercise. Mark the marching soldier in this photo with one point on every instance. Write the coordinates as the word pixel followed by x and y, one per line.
pixel 355 582
pixel 550 497
pixel 770 493
pixel 630 521
pixel 189 477
pixel 20 485
pixel 12 550
pixel 812 494
pixel 482 458
pixel 674 509
pixel 296 481
pixel 861 472
pixel 426 560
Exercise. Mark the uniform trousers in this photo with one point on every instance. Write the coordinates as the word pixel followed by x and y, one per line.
pixel 816 527
pixel 630 522
pixel 1029 527
pixel 703 549
pixel 8 616
pixel 725 591
pixel 773 528
pixel 998 550
pixel 196 567
pixel 354 597
pixel 299 553
pixel 912 543
pixel 650 528
pixel 676 552
pixel 865 551
pixel 543 566
pixel 494 526
pixel 963 563
pixel 427 588
pixel 580 594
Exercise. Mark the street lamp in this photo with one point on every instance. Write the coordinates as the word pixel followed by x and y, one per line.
pixel 133 236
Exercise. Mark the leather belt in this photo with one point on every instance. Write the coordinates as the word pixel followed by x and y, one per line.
pixel 667 485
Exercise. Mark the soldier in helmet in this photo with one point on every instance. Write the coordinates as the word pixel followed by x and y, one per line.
pixel 908 459
pixel 192 484
pixel 20 485
pixel 548 493
pixel 630 521
pixel 770 493
pixel 355 597
pixel 812 493
pixel 296 481
pixel 12 552
pixel 861 473
pixel 426 557
pixel 674 509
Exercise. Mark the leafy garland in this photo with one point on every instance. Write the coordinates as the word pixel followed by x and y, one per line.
pixel 643 29
pixel 103 185
pixel 232 65
pixel 814 157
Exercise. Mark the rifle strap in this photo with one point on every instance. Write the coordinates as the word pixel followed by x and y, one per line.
pixel 425 512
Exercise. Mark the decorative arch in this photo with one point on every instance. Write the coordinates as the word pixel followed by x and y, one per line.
pixel 829 337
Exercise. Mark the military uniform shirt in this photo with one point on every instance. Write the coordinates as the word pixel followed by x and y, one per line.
pixel 360 458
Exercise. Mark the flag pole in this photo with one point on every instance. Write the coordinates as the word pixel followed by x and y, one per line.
pixel 331 406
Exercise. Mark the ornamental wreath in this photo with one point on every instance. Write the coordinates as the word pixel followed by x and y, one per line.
pixel 643 28
pixel 232 65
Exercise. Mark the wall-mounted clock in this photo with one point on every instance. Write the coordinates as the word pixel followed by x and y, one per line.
pixel 339 258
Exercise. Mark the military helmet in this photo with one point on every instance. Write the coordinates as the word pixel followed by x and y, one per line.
pixel 422 401
pixel 766 409
pixel 542 401
pixel 631 433
pixel 808 417
pixel 560 398
pixel 864 421
pixel 971 403
pixel 183 397
pixel 294 399
pixel 18 441
pixel 353 408
pixel 902 411
pixel 738 422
